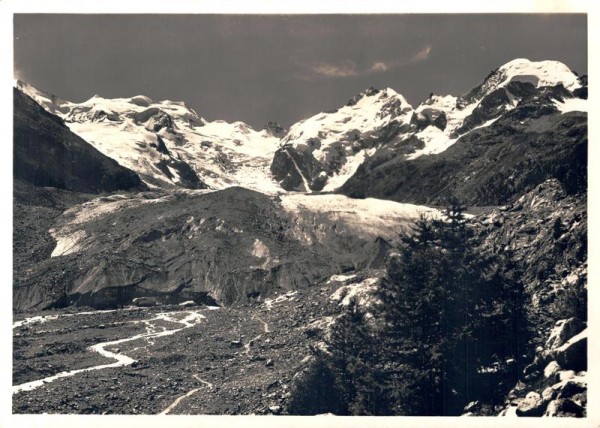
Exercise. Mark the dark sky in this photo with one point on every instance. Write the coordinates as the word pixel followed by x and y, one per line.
pixel 256 68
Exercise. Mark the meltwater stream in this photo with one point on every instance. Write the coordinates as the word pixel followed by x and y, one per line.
pixel 189 319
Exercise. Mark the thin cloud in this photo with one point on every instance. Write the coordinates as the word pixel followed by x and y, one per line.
pixel 345 69
pixel 417 57
pixel 378 67
pixel 421 56
pixel 326 70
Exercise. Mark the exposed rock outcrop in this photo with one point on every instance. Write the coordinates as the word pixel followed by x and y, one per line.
pixel 274 129
pixel 546 231
pixel 562 390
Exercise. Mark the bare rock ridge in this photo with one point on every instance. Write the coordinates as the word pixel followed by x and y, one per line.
pixel 546 229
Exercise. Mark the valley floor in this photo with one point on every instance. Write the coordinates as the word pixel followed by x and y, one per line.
pixel 169 359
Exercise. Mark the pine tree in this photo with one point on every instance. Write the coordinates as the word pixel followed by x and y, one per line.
pixel 445 305
pixel 446 309
pixel 354 360
pixel 411 305
pixel 316 391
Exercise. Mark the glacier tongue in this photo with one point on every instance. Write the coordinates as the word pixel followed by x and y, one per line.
pixel 320 215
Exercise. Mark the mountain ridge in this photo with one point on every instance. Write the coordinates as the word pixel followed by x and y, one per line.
pixel 319 153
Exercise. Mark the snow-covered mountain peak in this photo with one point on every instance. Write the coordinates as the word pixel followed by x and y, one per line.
pixel 547 73
pixel 364 113
pixel 372 94
pixel 457 116
pixel 336 139
pixel 167 143
pixel 538 73
pixel 133 107
pixel 319 153
pixel 141 100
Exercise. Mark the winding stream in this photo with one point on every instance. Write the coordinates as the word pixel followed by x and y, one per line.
pixel 191 319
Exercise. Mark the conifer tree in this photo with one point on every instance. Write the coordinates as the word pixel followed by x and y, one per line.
pixel 354 360
pixel 446 309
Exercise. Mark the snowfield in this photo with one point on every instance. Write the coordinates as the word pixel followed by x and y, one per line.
pixel 572 104
pixel 318 133
pixel 130 131
pixel 540 73
pixel 334 136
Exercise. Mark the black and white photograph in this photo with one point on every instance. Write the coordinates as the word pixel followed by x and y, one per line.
pixel 299 214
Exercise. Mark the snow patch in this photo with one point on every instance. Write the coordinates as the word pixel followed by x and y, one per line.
pixel 260 250
pixel 304 181
pixel 176 178
pixel 571 104
pixel 347 170
pixel 34 320
pixel 67 243
pixel 435 140
pixel 361 291
pixel 290 295
pixel 486 124
pixel 340 278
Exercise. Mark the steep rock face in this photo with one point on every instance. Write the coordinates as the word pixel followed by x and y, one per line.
pixel 47 153
pixel 35 209
pixel 274 129
pixel 546 230
pixel 223 246
pixel 298 171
